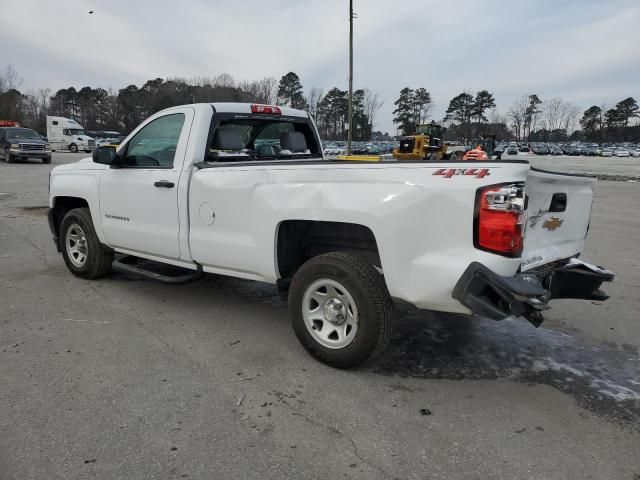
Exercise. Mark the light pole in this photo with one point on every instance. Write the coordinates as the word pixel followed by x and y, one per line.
pixel 350 134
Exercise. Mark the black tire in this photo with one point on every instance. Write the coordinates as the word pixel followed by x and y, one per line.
pixel 98 257
pixel 73 148
pixel 373 302
pixel 7 156
pixel 46 160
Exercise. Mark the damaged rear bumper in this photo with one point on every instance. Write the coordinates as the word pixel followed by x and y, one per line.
pixel 527 294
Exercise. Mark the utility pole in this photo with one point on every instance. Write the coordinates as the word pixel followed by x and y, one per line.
pixel 350 137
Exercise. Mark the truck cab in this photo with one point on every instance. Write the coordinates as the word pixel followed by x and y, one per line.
pixel 67 134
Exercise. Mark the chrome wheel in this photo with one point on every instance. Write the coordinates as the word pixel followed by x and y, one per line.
pixel 76 245
pixel 330 313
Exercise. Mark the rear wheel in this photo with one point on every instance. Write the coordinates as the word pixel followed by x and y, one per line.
pixel 82 251
pixel 73 148
pixel 341 310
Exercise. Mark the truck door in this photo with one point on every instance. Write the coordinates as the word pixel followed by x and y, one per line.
pixel 139 201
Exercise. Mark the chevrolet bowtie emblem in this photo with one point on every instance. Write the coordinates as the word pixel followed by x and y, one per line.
pixel 552 223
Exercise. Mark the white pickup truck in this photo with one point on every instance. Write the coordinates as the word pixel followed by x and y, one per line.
pixel 244 190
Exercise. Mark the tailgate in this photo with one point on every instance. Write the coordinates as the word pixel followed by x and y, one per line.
pixel 558 212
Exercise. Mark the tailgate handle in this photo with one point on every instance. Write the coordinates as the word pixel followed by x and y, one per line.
pixel 558 202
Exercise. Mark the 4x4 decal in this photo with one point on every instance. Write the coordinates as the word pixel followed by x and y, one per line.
pixel 474 172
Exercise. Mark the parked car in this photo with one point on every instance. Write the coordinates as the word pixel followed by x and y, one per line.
pixel 512 150
pixel 622 152
pixel 606 152
pixel 574 150
pixel 23 143
pixel 555 151
pixel 541 150
pixel 326 233
pixel 590 151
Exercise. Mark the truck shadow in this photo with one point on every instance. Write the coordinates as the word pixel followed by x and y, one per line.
pixel 601 378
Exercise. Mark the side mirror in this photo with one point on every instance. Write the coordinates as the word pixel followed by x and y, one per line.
pixel 106 155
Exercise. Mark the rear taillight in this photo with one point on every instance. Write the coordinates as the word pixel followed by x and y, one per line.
pixel 266 109
pixel 499 220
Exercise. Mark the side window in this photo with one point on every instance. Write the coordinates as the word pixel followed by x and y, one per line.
pixel 155 145
pixel 66 131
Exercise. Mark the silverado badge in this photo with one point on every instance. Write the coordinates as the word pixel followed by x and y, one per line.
pixel 552 223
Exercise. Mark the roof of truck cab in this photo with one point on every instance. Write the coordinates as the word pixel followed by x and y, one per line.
pixel 232 107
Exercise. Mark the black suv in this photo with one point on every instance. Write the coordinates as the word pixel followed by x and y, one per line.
pixel 22 143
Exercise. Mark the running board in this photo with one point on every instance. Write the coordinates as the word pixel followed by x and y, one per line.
pixel 121 264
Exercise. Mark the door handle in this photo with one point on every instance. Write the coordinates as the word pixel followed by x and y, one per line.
pixel 164 183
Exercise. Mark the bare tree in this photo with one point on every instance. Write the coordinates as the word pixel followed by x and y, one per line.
pixel 9 80
pixel 372 104
pixel 44 94
pixel 571 118
pixel 496 117
pixel 267 88
pixel 224 80
pixel 553 112
pixel 31 108
pixel 518 115
pixel 315 97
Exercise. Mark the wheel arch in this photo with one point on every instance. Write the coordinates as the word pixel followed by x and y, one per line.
pixel 59 208
pixel 300 240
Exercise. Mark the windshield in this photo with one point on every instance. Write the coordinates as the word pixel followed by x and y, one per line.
pixel 21 133
pixel 77 131
pixel 431 129
pixel 258 138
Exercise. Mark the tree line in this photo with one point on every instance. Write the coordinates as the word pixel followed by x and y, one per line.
pixel 122 110
pixel 468 115
pixel 529 118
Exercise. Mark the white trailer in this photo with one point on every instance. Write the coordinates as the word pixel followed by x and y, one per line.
pixel 67 134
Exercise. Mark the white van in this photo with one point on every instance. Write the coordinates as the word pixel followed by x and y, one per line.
pixel 67 134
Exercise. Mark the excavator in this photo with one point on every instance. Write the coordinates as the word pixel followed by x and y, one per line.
pixel 426 144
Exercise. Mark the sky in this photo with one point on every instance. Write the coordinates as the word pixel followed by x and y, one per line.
pixel 584 51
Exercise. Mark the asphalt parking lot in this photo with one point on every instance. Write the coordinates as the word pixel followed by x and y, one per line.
pixel 128 378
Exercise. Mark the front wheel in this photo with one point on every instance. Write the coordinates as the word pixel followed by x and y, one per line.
pixel 46 160
pixel 82 251
pixel 73 148
pixel 341 310
pixel 7 156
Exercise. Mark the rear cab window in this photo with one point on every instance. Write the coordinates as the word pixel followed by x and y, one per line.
pixel 255 138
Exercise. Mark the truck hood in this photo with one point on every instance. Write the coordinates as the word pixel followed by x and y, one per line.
pixel 36 141
pixel 84 164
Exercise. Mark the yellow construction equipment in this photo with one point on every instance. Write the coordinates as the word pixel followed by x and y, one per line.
pixel 426 144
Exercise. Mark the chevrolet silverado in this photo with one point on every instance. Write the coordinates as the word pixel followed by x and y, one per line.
pixel 244 190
